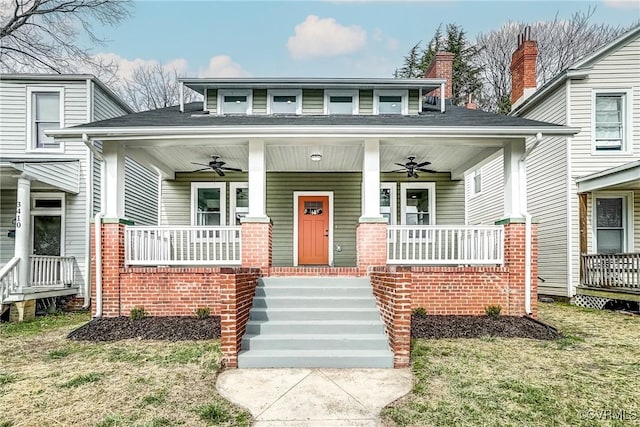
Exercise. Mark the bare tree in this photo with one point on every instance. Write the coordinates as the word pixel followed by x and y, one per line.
pixel 153 86
pixel 560 44
pixel 44 35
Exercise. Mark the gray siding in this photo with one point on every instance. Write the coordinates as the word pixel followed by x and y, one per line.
pixel 366 102
pixel 259 101
pixel 103 106
pixel 488 206
pixel 312 101
pixel 212 101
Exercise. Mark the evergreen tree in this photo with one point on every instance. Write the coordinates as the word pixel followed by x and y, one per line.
pixel 412 64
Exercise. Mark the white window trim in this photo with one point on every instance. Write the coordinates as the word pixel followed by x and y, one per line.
pixel 284 92
pixel 296 197
pixel 392 202
pixel 49 212
pixel 195 186
pixel 235 92
pixel 431 186
pixel 232 199
pixel 472 183
pixel 355 104
pixel 628 219
pixel 403 93
pixel 627 122
pixel 31 143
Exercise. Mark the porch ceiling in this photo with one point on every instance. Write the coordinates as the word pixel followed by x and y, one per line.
pixel 338 155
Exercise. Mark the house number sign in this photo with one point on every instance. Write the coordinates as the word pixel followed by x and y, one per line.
pixel 18 211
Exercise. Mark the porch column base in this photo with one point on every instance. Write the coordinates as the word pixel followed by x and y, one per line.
pixel 371 245
pixel 22 310
pixel 257 249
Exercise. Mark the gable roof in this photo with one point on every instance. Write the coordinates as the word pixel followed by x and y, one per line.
pixel 577 70
pixel 193 120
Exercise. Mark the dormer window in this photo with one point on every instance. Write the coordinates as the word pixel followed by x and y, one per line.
pixel 390 102
pixel 234 101
pixel 285 102
pixel 341 102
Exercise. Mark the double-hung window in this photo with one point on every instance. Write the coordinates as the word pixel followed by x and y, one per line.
pixel 234 102
pixel 341 102
pixel 611 223
pixel 388 201
pixel 44 111
pixel 610 121
pixel 390 102
pixel 239 202
pixel 474 182
pixel 284 101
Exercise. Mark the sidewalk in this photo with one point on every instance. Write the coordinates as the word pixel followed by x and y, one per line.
pixel 314 397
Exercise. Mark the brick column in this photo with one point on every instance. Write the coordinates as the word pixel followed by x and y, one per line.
pixel 371 244
pixel 514 260
pixel 257 251
pixel 112 262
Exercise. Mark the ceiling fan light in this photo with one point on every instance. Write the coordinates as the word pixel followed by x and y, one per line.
pixel 316 157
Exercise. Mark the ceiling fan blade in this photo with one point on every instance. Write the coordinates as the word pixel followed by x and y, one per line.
pixel 219 171
pixel 231 169
pixel 200 170
pixel 400 164
pixel 419 165
pixel 200 164
pixel 399 170
pixel 426 170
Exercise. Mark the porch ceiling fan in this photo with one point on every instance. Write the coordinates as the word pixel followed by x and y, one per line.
pixel 218 166
pixel 411 167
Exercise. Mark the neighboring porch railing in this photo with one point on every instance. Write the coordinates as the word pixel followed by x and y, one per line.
pixel 611 270
pixel 9 279
pixel 51 271
pixel 445 245
pixel 154 246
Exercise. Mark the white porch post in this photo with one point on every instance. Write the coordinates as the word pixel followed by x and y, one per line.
pixel 113 154
pixel 371 179
pixel 23 230
pixel 515 180
pixel 257 180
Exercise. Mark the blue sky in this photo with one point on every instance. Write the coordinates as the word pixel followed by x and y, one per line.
pixel 315 38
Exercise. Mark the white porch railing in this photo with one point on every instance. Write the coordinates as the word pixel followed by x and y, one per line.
pixel 445 245
pixel 9 278
pixel 51 271
pixel 154 246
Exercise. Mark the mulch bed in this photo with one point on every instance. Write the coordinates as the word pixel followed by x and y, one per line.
pixel 435 327
pixel 148 328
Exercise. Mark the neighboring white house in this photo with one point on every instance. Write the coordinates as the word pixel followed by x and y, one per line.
pixel 585 190
pixel 49 190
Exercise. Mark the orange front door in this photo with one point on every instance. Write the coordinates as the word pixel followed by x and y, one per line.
pixel 313 230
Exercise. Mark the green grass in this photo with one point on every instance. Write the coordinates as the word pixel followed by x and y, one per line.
pixel 504 382
pixel 155 399
pixel 6 378
pixel 42 324
pixel 219 414
pixel 79 380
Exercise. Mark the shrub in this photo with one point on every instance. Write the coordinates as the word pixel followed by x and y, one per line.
pixel 493 310
pixel 137 313
pixel 203 312
pixel 419 312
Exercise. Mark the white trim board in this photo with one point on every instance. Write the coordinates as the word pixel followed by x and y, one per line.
pixel 430 186
pixel 296 196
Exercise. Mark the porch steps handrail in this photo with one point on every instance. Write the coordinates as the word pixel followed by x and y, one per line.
pixel 186 245
pixel 9 278
pixel 620 270
pixel 51 271
pixel 445 245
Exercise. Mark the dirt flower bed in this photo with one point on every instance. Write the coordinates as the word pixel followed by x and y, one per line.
pixel 148 328
pixel 435 327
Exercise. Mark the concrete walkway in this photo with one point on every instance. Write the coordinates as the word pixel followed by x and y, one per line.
pixel 314 397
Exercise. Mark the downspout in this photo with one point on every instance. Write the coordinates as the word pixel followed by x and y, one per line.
pixel 98 234
pixel 527 233
pixel 89 201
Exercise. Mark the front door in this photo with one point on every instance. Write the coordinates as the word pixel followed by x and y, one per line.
pixel 313 230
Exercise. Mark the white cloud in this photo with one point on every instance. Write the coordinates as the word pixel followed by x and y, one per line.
pixel 322 37
pixel 622 4
pixel 380 37
pixel 222 66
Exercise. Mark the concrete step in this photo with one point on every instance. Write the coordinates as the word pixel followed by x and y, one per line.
pixel 315 359
pixel 314 314
pixel 332 281
pixel 313 291
pixel 314 302
pixel 315 342
pixel 255 327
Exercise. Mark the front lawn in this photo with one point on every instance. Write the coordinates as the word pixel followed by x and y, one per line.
pixel 47 380
pixel 589 377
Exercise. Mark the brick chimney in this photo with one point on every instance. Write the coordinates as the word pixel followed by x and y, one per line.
pixel 470 105
pixel 441 67
pixel 523 68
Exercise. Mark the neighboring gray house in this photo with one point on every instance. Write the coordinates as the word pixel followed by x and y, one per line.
pixel 583 190
pixel 49 190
